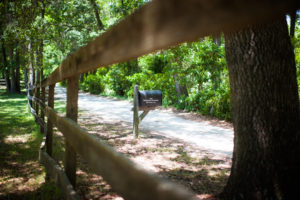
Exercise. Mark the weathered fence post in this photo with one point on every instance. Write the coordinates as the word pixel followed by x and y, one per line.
pixel 29 94
pixel 33 95
pixel 72 112
pixel 43 98
pixel 37 95
pixel 49 128
pixel 135 113
pixel 49 123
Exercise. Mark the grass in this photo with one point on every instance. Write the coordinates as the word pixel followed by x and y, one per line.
pixel 21 175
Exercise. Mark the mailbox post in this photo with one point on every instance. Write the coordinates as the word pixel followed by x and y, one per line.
pixel 144 101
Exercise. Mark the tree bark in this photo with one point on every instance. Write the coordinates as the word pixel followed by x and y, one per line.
pixel 7 80
pixel 181 90
pixel 12 70
pixel 217 39
pixel 293 17
pixel 96 12
pixel 265 111
pixel 30 65
pixel 26 77
pixel 17 83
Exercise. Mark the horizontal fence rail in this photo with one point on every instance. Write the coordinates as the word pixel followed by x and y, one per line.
pixel 163 23
pixel 157 25
pixel 125 178
pixel 57 174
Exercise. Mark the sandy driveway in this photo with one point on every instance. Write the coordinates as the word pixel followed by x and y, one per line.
pixel 204 135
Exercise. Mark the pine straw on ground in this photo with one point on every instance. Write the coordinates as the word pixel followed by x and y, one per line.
pixel 202 172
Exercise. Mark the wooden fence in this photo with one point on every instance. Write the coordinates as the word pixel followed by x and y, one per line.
pixel 157 25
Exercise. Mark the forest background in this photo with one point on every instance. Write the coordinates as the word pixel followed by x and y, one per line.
pixel 37 35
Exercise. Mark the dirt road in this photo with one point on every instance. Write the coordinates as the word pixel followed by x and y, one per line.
pixel 209 137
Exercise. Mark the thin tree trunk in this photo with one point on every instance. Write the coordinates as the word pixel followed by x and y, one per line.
pixel 30 66
pixel 26 77
pixel 12 80
pixel 12 71
pixel 41 48
pixel 7 80
pixel 181 90
pixel 217 39
pixel 293 17
pixel 265 111
pixel 18 87
pixel 81 78
pixel 96 12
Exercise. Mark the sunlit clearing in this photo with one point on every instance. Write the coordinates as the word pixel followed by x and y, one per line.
pixel 13 139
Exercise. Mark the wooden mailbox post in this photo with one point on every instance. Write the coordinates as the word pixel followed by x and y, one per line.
pixel 144 101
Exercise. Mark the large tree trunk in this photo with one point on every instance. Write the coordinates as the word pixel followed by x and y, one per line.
pixel 265 109
pixel 293 16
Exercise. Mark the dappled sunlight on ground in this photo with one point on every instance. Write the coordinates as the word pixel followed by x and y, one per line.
pixel 21 174
pixel 210 134
pixel 201 171
pixel 13 139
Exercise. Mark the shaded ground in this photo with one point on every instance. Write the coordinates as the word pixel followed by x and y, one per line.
pixel 21 175
pixel 200 171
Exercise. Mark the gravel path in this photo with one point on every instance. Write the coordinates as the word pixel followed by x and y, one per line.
pixel 202 134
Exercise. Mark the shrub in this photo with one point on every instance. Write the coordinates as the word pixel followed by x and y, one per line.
pixel 95 84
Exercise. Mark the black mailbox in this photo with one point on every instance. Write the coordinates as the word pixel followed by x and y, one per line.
pixel 149 99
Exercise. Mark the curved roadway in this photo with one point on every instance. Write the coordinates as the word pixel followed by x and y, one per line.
pixel 206 136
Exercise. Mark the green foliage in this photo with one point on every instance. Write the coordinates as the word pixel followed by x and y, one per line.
pixel 117 81
pixel 296 43
pixel 209 102
pixel 117 77
pixel 152 81
pixel 199 67
pixel 204 72
pixel 158 64
pixel 95 84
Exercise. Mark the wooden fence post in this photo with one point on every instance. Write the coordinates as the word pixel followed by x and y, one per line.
pixel 49 123
pixel 29 94
pixel 37 95
pixel 43 98
pixel 72 112
pixel 135 113
pixel 33 95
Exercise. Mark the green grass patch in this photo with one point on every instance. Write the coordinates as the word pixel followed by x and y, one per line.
pixel 21 175
pixel 60 107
